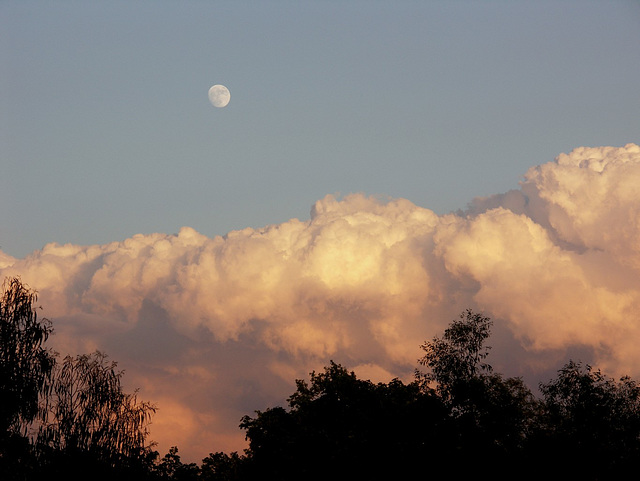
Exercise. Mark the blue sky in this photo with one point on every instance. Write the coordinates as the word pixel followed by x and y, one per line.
pixel 106 129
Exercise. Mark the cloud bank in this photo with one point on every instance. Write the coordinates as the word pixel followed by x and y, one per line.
pixel 211 329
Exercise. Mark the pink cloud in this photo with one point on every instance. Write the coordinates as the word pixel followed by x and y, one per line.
pixel 212 328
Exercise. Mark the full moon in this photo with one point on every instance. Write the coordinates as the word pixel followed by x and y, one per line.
pixel 219 96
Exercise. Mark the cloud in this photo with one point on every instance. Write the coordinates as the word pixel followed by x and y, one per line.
pixel 211 329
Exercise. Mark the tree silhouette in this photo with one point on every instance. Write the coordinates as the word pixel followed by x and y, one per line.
pixel 591 423
pixel 90 418
pixel 73 419
pixel 222 467
pixel 457 357
pixel 25 364
pixel 340 426
pixel 25 370
pixel 172 468
pixel 491 416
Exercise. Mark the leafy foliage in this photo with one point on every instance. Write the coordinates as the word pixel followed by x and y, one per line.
pixel 339 425
pixel 87 411
pixel 491 415
pixel 592 419
pixel 457 357
pixel 25 370
pixel 222 467
pixel 171 467
pixel 66 418
pixel 459 414
pixel 25 364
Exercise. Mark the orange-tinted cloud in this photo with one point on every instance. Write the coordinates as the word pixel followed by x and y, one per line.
pixel 212 328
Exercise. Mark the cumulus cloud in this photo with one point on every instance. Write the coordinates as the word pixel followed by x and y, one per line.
pixel 213 328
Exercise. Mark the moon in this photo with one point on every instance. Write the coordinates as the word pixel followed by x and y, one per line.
pixel 219 96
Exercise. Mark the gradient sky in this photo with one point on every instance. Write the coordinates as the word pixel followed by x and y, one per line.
pixel 163 231
pixel 106 129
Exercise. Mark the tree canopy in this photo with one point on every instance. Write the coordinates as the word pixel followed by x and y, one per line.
pixel 338 424
pixel 26 364
pixel 65 418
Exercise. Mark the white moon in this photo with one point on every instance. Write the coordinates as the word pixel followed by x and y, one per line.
pixel 219 96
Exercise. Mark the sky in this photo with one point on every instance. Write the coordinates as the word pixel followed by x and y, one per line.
pixel 381 166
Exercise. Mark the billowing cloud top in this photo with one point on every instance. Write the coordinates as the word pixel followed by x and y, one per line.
pixel 213 328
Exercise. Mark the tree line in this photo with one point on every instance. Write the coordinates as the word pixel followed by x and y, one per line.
pixel 457 416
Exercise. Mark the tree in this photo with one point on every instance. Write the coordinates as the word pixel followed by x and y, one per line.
pixel 222 467
pixel 343 427
pixel 460 415
pixel 491 416
pixel 25 364
pixel 25 370
pixel 592 420
pixel 90 417
pixel 66 417
pixel 171 468
pixel 457 357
